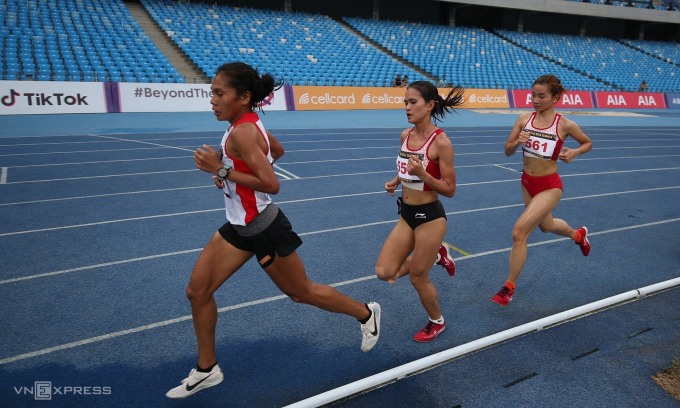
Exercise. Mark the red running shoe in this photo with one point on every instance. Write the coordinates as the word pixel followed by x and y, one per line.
pixel 444 259
pixel 429 332
pixel 584 244
pixel 504 296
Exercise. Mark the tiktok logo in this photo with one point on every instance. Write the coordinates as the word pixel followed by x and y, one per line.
pixel 45 99
pixel 10 100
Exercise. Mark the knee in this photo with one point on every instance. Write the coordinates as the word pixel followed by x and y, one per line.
pixel 419 278
pixel 197 295
pixel 296 299
pixel 383 274
pixel 303 296
pixel 518 234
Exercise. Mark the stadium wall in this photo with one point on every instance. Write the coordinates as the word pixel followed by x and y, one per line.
pixel 53 97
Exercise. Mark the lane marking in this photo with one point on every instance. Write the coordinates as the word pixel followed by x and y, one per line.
pixel 507 168
pixel 282 173
pixel 455 248
pixel 163 323
pixel 144 142
pixel 287 173
pixel 156 145
pixel 465 254
pixel 495 181
pixel 75 152
pixel 180 319
pixel 3 175
pixel 149 217
pixel 49 200
pixel 100 265
pixel 480 165
pixel 296 177
pixel 101 162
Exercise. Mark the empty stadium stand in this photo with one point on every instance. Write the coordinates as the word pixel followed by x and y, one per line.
pixel 71 40
pixel 301 48
pixel 471 57
pixel 98 40
pixel 612 62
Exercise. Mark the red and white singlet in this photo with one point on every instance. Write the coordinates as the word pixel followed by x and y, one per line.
pixel 243 204
pixel 431 166
pixel 544 143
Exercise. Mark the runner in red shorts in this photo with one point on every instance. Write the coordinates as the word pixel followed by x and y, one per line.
pixel 541 134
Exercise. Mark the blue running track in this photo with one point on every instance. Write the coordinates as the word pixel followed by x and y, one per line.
pixel 103 216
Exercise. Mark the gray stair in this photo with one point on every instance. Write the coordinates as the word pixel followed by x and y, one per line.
pixel 189 70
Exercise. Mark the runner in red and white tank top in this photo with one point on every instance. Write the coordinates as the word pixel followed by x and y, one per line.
pixel 425 171
pixel 243 204
pixel 431 166
pixel 256 227
pixel 541 135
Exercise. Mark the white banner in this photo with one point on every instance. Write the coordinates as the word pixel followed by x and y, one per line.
pixel 152 97
pixel 48 97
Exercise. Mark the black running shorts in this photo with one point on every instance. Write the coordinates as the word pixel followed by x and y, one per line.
pixel 416 215
pixel 277 239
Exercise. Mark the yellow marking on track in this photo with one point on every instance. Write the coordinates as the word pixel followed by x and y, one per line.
pixel 455 248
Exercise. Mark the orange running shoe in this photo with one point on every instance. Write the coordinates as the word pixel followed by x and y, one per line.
pixel 584 244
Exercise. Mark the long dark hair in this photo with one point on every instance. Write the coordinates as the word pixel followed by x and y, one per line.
pixel 442 106
pixel 245 78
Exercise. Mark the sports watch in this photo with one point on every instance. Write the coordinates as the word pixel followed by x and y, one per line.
pixel 223 173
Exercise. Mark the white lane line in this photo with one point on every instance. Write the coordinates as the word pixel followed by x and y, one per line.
pixel 148 217
pixel 100 265
pixel 3 175
pixel 160 190
pixel 164 172
pixel 507 168
pixel 286 172
pixel 103 162
pixel 138 329
pixel 144 142
pixel 275 298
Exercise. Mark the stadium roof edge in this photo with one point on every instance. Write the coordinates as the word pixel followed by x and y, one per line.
pixel 584 9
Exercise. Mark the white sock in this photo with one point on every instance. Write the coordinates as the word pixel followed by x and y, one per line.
pixel 438 321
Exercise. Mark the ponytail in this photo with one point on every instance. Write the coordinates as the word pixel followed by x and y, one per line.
pixel 442 106
pixel 245 78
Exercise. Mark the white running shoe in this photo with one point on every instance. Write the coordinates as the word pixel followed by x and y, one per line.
pixel 196 381
pixel 370 331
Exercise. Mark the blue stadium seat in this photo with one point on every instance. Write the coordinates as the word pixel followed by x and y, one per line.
pixel 59 32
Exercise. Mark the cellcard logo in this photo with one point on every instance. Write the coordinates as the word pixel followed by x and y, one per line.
pixel 45 391
pixel 45 99
pixel 304 99
pixel 381 99
pixel 326 99
pixel 488 98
